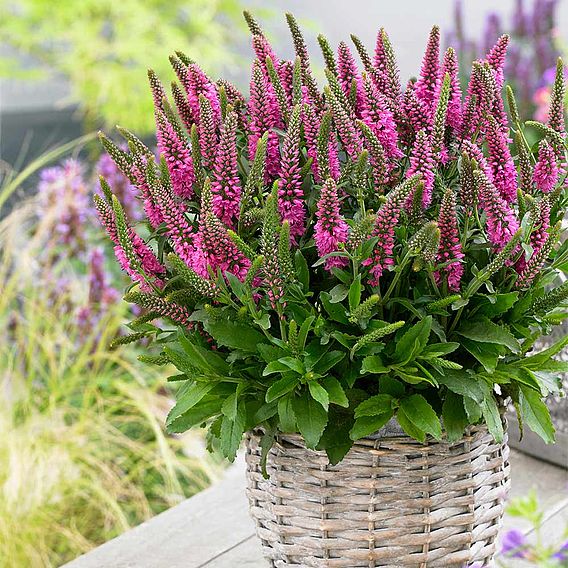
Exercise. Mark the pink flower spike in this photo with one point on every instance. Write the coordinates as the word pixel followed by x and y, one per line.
pixel 546 171
pixel 430 72
pixel 496 59
pixel 330 229
pixel 502 223
pixel 218 250
pixel 539 233
pixel 422 162
pixel 290 194
pixel 177 155
pixel 348 73
pixel 385 225
pixel 261 120
pixel 378 117
pixel 450 246
pixel 197 83
pixel 450 66
pixel 502 164
pixel 226 185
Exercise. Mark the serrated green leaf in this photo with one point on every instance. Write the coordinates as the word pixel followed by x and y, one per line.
pixel 335 391
pixel 485 331
pixel 454 416
pixel 335 311
pixel 232 432
pixel 311 418
pixel 536 415
pixel 367 425
pixel 378 404
pixel 373 364
pixel 190 396
pixel 235 335
pixel 355 293
pixel 419 412
pixel 328 361
pixel 338 293
pixel 281 387
pixel 286 414
pixel 463 383
pixel 319 393
pixel 413 341
pixel 486 353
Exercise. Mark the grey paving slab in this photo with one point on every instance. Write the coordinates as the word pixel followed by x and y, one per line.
pixel 213 529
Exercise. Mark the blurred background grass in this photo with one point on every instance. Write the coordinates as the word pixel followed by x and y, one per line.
pixel 83 455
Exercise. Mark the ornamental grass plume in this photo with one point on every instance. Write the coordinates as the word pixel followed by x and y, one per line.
pixel 320 216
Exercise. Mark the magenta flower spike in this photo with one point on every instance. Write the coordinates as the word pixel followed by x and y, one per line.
pixel 496 59
pixel 546 171
pixel 311 123
pixel 502 223
pixel 345 126
pixel 422 162
pixel 263 50
pixel 218 251
pixel 290 195
pixel 450 247
pixel 475 153
pixel 177 154
pixel 261 120
pixel 197 83
pixel 226 185
pixel 450 66
pixel 385 224
pixel 415 115
pixel 430 72
pixel 387 78
pixel 348 72
pixel 539 232
pixel 378 117
pixel 501 161
pixel 330 230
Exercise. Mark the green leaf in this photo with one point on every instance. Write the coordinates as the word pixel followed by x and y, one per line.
pixel 413 341
pixel 335 391
pixel 304 330
pixel 203 358
pixel 314 352
pixel 188 399
pixel 293 364
pixel 283 386
pixel 419 412
pixel 338 293
pixel 319 393
pixel 355 293
pixel 536 415
pixel 311 418
pixel 501 303
pixel 232 432
pixel 373 364
pixel 485 331
pixel 472 409
pixel 378 404
pixel 454 416
pixel 270 353
pixel 286 414
pixel 328 361
pixel 535 361
pixel 335 439
pixel 302 270
pixel 367 425
pixel 492 417
pixel 486 353
pixel 389 385
pixel 463 383
pixel 235 335
pixel 229 408
pixel 335 311
pixel 439 349
pixel 409 427
pixel 207 408
pixel 275 367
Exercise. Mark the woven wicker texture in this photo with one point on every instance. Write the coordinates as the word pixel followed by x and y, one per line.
pixel 390 502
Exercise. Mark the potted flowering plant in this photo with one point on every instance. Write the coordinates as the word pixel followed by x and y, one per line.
pixel 355 279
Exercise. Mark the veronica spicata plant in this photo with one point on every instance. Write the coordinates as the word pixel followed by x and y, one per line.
pixel 331 259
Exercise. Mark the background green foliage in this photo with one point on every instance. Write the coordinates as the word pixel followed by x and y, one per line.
pixel 103 47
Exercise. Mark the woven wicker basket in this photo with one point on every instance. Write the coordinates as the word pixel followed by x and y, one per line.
pixel 391 502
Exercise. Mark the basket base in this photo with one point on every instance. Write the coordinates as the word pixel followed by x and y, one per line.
pixel 392 502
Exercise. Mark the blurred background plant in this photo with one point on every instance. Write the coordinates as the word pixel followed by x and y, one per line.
pixel 102 47
pixel 527 548
pixel 532 54
pixel 83 454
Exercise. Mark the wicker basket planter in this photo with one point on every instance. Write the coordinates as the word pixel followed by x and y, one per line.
pixel 391 502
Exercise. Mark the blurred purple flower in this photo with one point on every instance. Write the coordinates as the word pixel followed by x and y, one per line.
pixel 562 554
pixel 513 544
